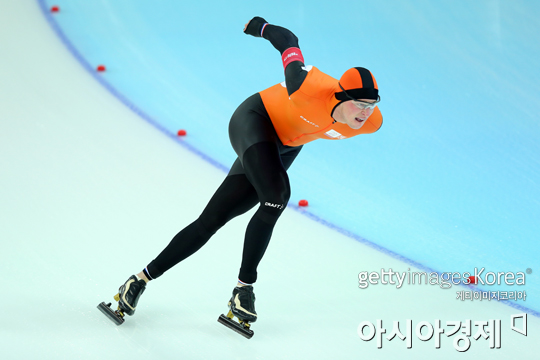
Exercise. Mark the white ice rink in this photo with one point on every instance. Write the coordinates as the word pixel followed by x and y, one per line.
pixel 89 194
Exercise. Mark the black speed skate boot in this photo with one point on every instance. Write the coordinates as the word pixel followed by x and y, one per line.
pixel 127 297
pixel 241 305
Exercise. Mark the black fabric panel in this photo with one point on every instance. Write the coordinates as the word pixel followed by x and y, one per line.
pixel 294 76
pixel 281 38
pixel 367 79
pixel 372 94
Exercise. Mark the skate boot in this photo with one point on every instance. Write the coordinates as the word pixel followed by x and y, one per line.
pixel 127 297
pixel 241 305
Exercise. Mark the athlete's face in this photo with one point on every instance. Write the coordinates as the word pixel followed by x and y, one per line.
pixel 352 115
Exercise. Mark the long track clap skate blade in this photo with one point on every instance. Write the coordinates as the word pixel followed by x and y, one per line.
pixel 242 329
pixel 112 315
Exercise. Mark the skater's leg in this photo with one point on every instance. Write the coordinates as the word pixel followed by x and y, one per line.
pixel 234 197
pixel 265 171
pixel 265 160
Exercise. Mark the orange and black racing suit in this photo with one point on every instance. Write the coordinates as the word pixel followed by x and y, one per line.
pixel 267 131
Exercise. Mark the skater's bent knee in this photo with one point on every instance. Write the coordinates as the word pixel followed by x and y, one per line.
pixel 278 195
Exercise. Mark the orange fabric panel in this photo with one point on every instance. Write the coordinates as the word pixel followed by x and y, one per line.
pixel 306 115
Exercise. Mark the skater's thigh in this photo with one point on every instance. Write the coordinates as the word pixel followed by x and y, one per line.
pixel 288 155
pixel 266 172
pixel 234 197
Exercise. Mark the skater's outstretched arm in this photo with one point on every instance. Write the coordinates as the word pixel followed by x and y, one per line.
pixel 287 44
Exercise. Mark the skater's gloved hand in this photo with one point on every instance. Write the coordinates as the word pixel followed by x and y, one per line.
pixel 254 26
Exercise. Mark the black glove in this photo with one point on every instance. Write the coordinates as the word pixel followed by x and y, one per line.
pixel 255 26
